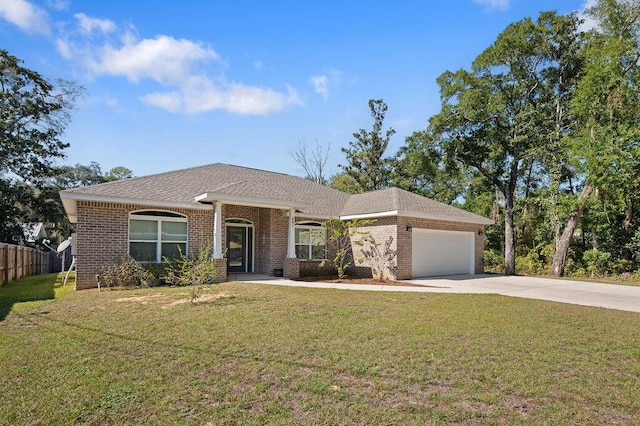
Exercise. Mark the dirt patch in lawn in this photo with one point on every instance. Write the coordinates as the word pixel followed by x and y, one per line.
pixel 356 280
pixel 200 299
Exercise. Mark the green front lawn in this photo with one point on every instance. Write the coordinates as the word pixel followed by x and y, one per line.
pixel 252 354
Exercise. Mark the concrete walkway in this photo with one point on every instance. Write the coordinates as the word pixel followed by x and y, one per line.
pixel 625 298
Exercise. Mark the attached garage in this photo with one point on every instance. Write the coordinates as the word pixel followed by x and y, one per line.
pixel 437 252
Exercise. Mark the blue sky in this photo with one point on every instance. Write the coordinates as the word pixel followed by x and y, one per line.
pixel 175 84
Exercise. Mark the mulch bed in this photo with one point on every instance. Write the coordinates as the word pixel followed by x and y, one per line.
pixel 356 280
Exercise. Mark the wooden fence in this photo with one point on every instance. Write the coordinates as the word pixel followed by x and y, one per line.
pixel 19 261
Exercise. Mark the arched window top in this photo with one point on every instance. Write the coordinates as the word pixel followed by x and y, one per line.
pixel 158 213
pixel 308 223
pixel 240 221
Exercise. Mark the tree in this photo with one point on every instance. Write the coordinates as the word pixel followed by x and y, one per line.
pixel 342 237
pixel 46 205
pixel 33 115
pixel 118 173
pixel 498 117
pixel 366 164
pixel 419 167
pixel 606 111
pixel 313 161
pixel 345 183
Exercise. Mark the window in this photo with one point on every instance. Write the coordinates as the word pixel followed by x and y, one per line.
pixel 154 235
pixel 311 241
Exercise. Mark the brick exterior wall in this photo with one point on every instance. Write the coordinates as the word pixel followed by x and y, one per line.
pixel 102 235
pixel 103 238
pixel 382 230
pixel 312 268
pixel 395 229
pixel 405 241
pixel 274 240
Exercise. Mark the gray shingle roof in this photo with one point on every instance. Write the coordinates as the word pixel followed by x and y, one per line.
pixel 311 199
pixel 406 203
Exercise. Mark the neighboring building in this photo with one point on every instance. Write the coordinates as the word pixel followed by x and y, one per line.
pixel 33 232
pixel 263 222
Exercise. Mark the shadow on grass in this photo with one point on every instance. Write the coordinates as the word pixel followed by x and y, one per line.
pixel 28 289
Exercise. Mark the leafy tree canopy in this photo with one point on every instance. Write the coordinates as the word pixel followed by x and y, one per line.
pixel 367 166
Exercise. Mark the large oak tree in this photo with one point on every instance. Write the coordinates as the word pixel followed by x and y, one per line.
pixel 33 115
pixel 502 116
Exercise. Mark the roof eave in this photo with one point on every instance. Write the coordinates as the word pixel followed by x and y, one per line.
pixel 70 201
pixel 212 197
pixel 477 220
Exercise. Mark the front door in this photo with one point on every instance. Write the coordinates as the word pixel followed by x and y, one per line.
pixel 239 249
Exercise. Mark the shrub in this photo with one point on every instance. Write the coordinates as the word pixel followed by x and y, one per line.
pixel 342 236
pixel 597 262
pixel 493 262
pixel 157 270
pixel 126 273
pixel 192 270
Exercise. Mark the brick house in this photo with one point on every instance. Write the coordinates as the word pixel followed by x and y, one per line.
pixel 264 222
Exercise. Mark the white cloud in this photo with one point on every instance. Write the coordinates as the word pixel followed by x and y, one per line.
pixel 321 85
pixel 88 24
pixel 163 59
pixel 187 75
pixel 200 95
pixel 494 4
pixel 24 15
pixel 59 4
pixel 324 82
pixel 178 66
pixel 589 23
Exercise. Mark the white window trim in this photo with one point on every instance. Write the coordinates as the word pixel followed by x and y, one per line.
pixel 312 226
pixel 158 241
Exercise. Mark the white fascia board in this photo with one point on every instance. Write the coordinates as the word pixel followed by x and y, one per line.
pixel 248 201
pixel 479 221
pixel 123 200
pixel 70 208
pixel 370 215
pixel 307 216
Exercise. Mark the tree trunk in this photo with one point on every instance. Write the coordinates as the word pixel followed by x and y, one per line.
pixel 563 244
pixel 509 237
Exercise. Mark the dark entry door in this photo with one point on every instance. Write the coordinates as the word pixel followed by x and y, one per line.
pixel 239 249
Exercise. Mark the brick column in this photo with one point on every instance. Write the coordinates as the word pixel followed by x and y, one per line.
pixel 221 269
pixel 292 268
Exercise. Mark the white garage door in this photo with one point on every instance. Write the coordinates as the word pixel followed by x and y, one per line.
pixel 438 252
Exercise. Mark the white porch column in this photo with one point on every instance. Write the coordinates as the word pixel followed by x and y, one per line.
pixel 217 231
pixel 291 247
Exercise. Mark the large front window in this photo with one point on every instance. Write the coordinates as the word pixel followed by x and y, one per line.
pixel 311 241
pixel 154 236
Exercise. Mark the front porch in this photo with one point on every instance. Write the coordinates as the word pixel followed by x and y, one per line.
pixel 255 238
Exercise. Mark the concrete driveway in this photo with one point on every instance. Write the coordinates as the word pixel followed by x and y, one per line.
pixel 625 298
pixel 621 297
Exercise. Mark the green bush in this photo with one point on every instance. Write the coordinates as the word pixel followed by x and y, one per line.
pixel 126 273
pixel 193 271
pixel 597 262
pixel 157 271
pixel 493 262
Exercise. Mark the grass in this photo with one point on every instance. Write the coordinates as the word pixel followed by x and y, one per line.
pixel 32 291
pixel 251 354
